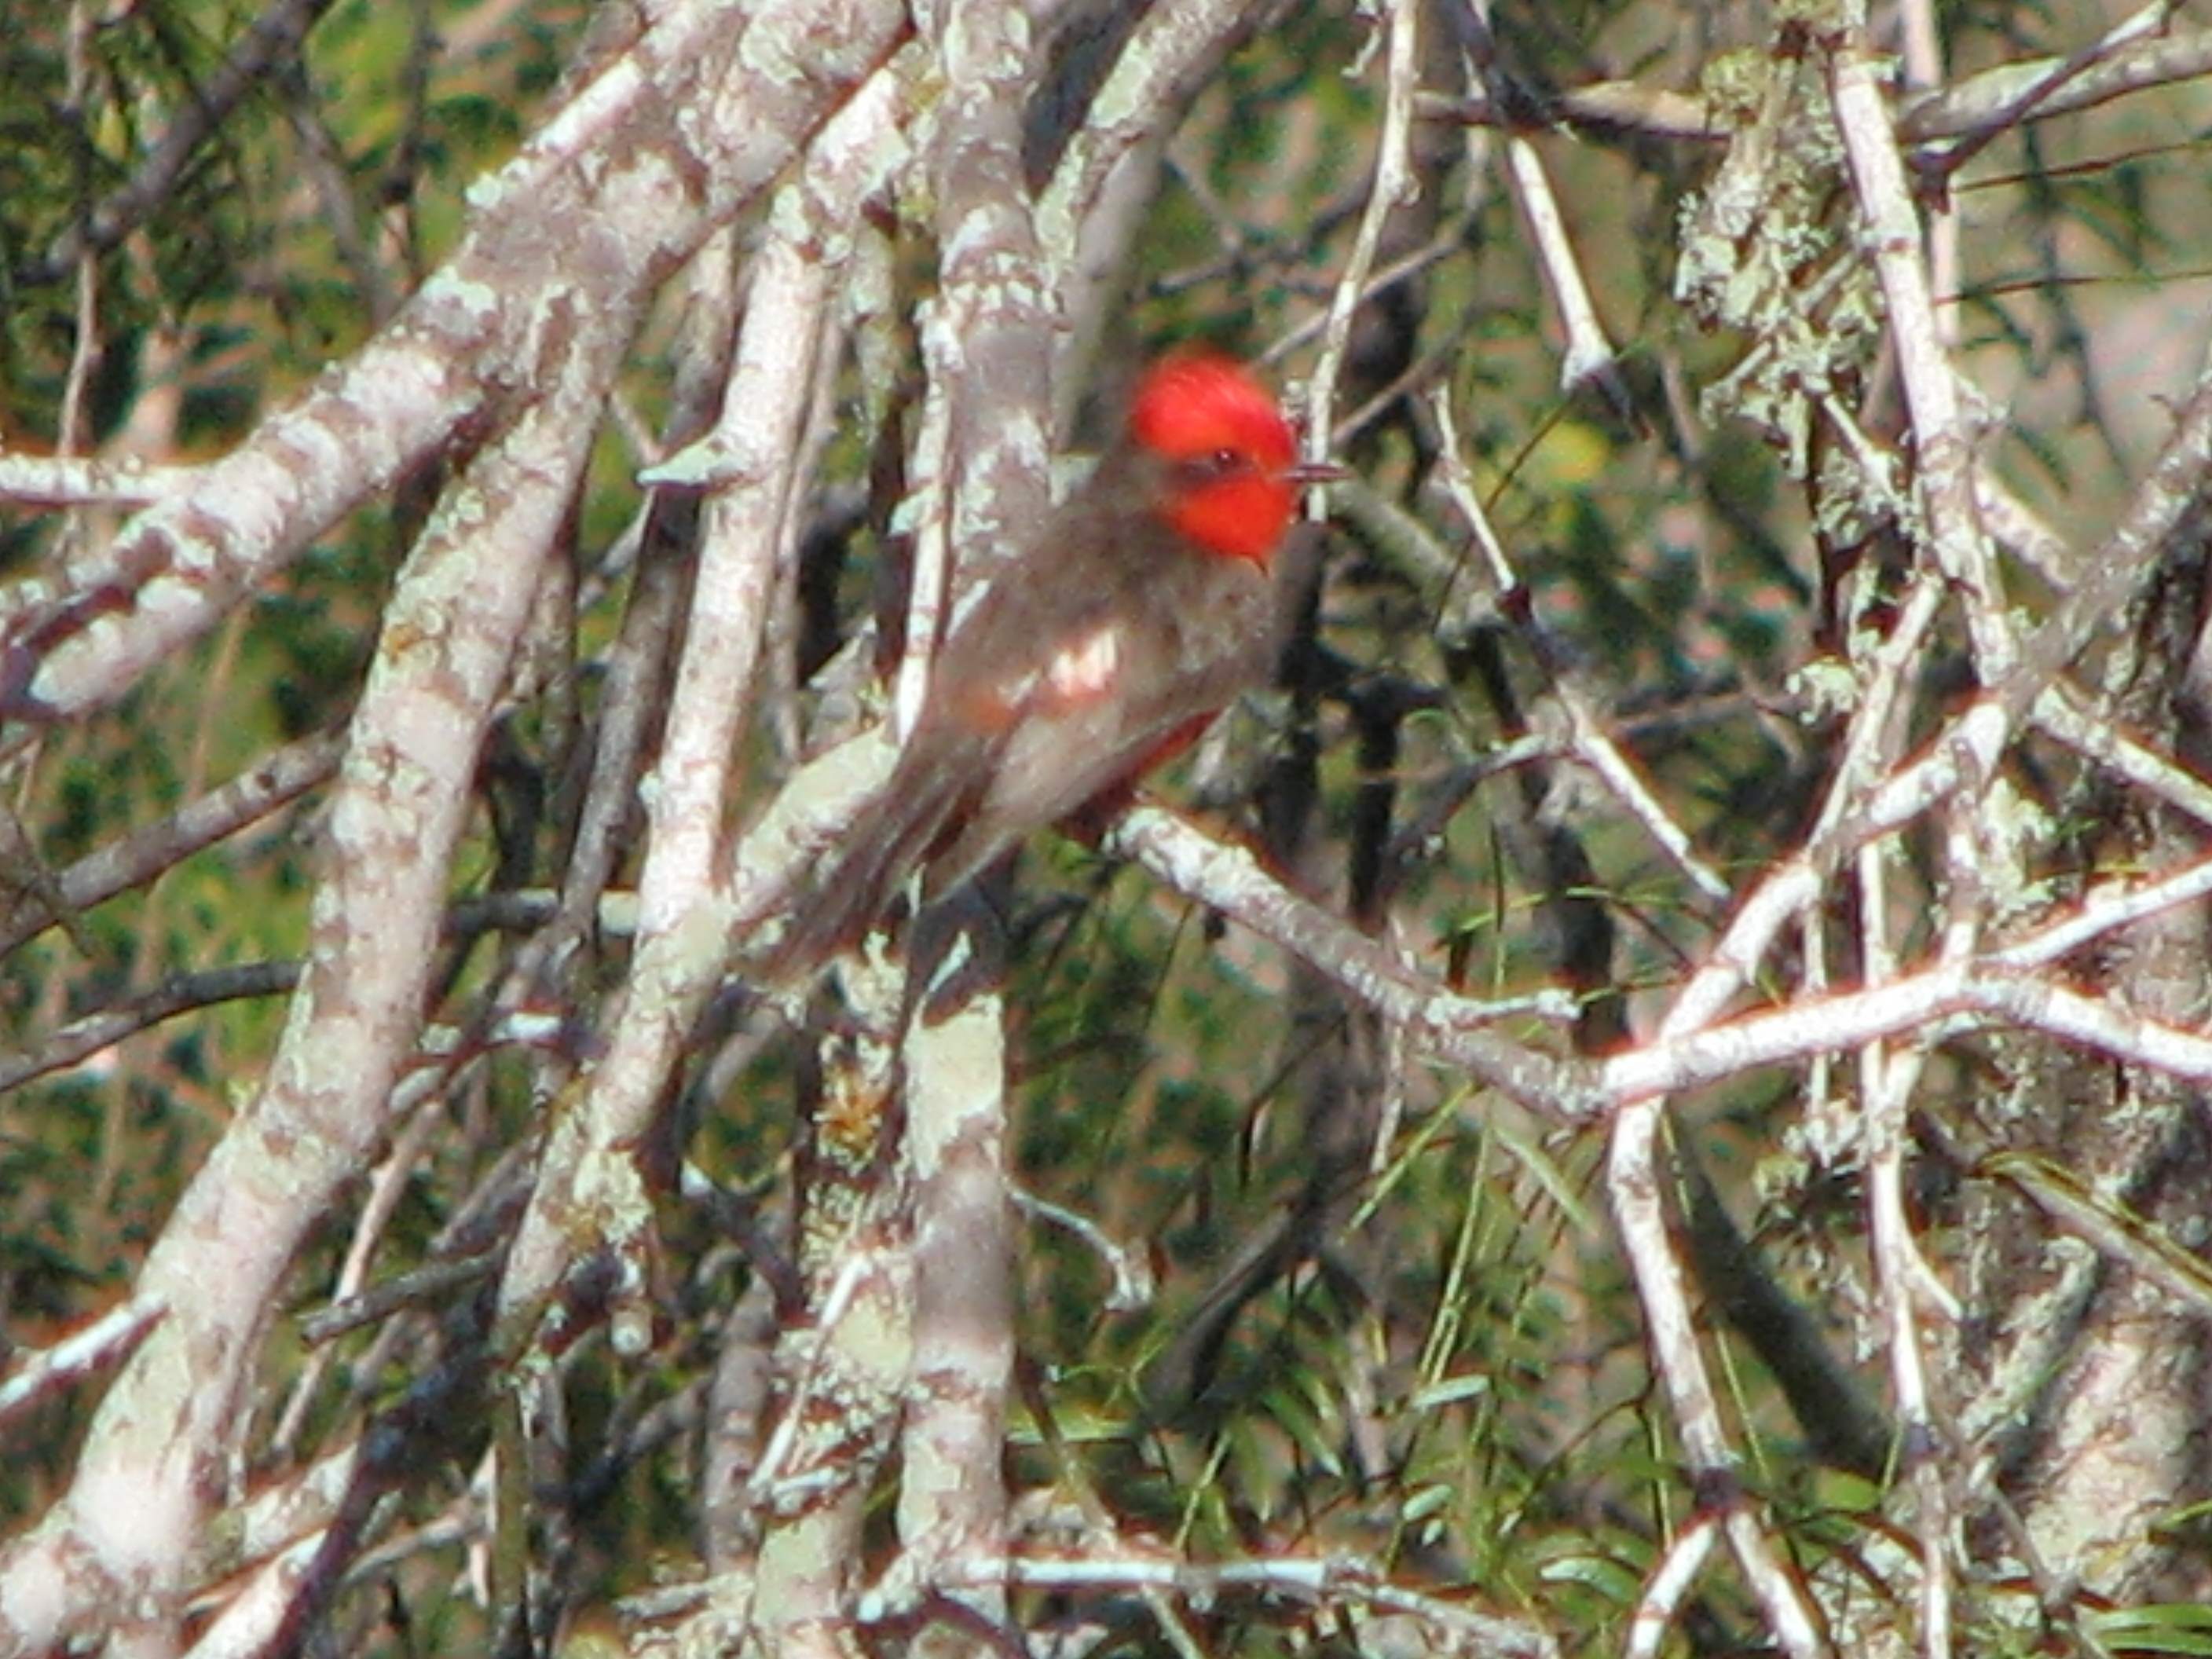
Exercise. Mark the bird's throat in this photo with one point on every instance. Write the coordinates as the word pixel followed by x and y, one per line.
pixel 1238 518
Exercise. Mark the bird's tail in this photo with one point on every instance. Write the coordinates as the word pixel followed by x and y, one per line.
pixel 858 881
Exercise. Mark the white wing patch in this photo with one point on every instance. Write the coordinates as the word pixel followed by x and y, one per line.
pixel 1083 671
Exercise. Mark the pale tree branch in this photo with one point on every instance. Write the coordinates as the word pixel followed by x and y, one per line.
pixel 489 324
pixel 1993 100
pixel 2134 53
pixel 1636 1185
pixel 1888 1074
pixel 1168 55
pixel 83 1037
pixel 1459 1029
pixel 1349 1584
pixel 158 1453
pixel 1669 1585
pixel 591 1187
pixel 1925 67
pixel 278 779
pixel 252 1619
pixel 988 346
pixel 1942 446
pixel 1592 743
pixel 107 1340
pixel 127 481
pixel 641 663
pixel 1394 185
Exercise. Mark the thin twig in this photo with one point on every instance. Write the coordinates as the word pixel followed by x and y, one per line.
pixel 107 1340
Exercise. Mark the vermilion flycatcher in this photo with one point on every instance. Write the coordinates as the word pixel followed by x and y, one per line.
pixel 1144 606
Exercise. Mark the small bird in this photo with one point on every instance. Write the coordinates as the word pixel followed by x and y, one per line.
pixel 1144 606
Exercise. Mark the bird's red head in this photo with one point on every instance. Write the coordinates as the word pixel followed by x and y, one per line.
pixel 1230 486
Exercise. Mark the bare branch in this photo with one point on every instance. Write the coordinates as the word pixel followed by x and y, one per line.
pixel 1457 1029
pixel 81 1039
pixel 1943 473
pixel 88 481
pixel 591 1187
pixel 279 778
pixel 155 1453
pixel 1355 1583
pixel 109 1340
pixel 491 324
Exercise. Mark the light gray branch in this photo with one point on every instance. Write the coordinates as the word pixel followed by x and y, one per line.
pixel 648 157
pixel 115 1553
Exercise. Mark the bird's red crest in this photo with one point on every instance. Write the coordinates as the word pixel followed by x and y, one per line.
pixel 1221 428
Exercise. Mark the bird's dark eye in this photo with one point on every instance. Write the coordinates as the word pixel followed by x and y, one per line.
pixel 1196 471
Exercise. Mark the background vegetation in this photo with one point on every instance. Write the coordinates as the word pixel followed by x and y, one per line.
pixel 1688 1137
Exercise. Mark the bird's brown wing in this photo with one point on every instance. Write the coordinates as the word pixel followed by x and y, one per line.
pixel 1058 686
pixel 1129 674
